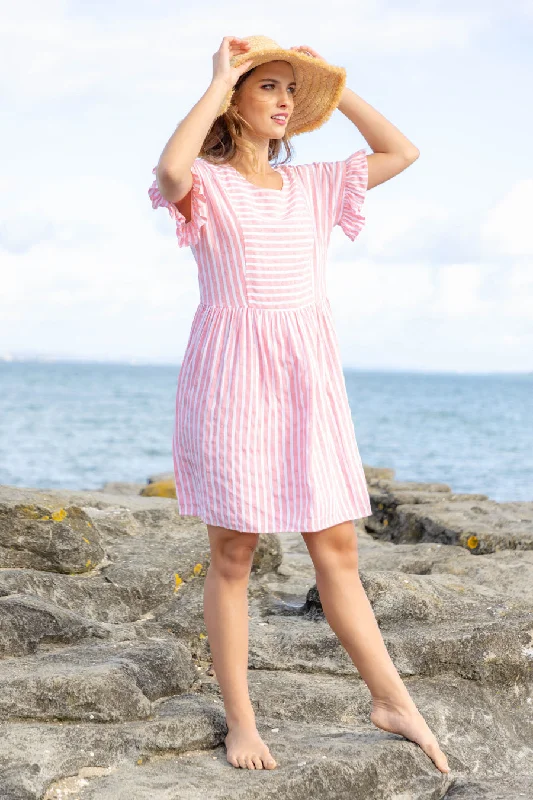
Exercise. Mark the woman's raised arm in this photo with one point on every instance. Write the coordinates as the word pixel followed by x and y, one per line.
pixel 173 172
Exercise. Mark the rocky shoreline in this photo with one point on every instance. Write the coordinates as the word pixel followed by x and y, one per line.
pixel 106 686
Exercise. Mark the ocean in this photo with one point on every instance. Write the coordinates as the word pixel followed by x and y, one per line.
pixel 76 425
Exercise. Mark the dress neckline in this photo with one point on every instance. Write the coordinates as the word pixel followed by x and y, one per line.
pixel 260 188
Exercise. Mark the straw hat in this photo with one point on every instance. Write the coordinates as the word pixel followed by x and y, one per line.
pixel 319 84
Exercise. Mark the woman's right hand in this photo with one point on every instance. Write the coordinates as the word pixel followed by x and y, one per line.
pixel 222 69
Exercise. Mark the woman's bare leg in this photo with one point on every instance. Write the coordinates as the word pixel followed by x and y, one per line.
pixel 350 615
pixel 226 619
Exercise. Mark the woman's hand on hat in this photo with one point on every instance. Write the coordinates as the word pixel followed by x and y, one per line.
pixel 222 70
pixel 304 48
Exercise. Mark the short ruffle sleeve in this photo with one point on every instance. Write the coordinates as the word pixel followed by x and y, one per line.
pixel 188 233
pixel 336 192
pixel 353 191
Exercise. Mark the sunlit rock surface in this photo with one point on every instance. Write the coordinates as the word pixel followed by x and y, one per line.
pixel 106 682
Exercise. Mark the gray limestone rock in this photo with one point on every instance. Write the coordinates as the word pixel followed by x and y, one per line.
pixel 428 513
pixel 122 487
pixel 48 536
pixel 28 621
pixel 106 683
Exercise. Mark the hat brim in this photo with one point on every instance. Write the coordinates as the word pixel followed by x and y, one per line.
pixel 319 86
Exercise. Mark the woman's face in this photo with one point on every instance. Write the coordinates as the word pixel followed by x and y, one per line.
pixel 267 92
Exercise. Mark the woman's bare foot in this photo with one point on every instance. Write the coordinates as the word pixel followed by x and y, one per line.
pixel 245 748
pixel 409 722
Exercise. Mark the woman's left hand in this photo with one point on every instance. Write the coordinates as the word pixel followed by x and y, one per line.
pixel 304 48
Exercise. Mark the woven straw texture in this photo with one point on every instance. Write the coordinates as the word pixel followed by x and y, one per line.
pixel 319 85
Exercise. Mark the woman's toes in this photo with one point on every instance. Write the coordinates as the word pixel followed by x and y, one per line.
pixel 433 750
pixel 441 761
pixel 247 750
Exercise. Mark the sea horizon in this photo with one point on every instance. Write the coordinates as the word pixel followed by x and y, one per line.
pixel 50 359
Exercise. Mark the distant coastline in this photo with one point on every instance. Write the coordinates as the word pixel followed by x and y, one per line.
pixel 45 358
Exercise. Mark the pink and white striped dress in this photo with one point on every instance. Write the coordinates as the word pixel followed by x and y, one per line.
pixel 263 439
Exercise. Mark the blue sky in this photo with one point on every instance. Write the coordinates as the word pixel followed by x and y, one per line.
pixel 440 279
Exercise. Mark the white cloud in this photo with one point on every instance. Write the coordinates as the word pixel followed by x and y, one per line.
pixel 90 269
pixel 458 290
pixel 51 53
pixel 508 228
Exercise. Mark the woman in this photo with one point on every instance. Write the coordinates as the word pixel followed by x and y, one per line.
pixel 264 440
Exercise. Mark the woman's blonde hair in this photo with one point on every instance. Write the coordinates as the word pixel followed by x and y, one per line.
pixel 225 137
